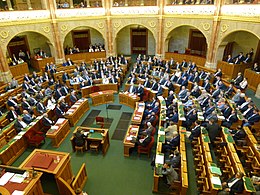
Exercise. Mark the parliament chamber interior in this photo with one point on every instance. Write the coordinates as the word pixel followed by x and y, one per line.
pixel 131 97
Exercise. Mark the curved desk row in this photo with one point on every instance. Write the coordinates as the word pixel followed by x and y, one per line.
pixel 86 91
pixel 128 99
pixel 19 69
pixel 102 97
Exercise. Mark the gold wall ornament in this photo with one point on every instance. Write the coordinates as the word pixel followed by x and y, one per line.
pixel 205 26
pixel 117 24
pixel 152 24
pixel 169 24
pixel 64 27
pixel 4 34
pixel 100 25
pixel 224 28
pixel 46 29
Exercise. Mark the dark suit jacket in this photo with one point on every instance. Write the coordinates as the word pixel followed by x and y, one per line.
pixel 59 112
pixel 238 187
pixel 10 115
pixel 73 99
pixel 18 127
pixel 145 142
pixel 174 142
pixel 40 108
pixel 147 84
pixel 27 118
pixel 79 139
pixel 46 123
pixel 25 106
pixel 195 132
pixel 213 131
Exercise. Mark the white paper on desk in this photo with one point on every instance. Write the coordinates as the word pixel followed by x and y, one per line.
pixel 32 123
pixel 221 117
pixel 201 118
pixel 18 137
pixel 100 92
pixel 136 118
pixel 129 138
pixel 159 159
pixel 38 117
pixel 22 133
pixel 182 119
pixel 215 180
pixel 17 178
pixel 54 127
pixel 5 178
pixel 60 120
pixel 134 128
pixel 18 192
pixel 161 132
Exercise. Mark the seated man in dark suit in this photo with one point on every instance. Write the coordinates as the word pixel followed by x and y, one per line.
pixel 233 185
pixel 58 111
pixel 46 121
pixel 19 124
pixel 132 89
pixel 238 134
pixel 40 108
pixel 173 143
pixel 232 118
pixel 195 132
pixel 252 119
pixel 73 97
pixel 80 139
pixel 27 118
pixel 213 130
pixel 144 140
pixel 175 159
pixel 12 114
pixel 148 130
pixel 140 91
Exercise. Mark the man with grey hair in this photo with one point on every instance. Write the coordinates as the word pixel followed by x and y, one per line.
pixel 148 130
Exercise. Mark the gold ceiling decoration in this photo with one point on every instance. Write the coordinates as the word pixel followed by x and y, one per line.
pixel 205 26
pixel 4 34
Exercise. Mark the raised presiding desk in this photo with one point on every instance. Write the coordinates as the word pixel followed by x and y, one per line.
pixel 138 113
pixel 87 56
pixel 50 162
pixel 76 111
pixel 14 181
pixel 253 79
pixel 102 97
pixel 19 69
pixel 58 132
pixel 93 135
pixel 41 63
pixel 100 87
pixel 131 134
pixel 128 99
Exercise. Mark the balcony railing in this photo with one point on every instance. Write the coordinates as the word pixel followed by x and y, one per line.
pixel 190 10
pixel 80 12
pixel 9 16
pixel 149 10
pixel 241 10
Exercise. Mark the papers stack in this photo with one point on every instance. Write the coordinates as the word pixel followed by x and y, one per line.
pixel 60 121
pixel 18 192
pixel 215 181
pixel 159 159
pixel 5 178
pixel 54 127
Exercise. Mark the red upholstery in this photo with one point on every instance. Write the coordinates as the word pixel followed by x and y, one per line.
pixel 34 138
pixel 94 89
pixel 146 95
pixel 154 123
pixel 147 149
pixel 100 121
pixel 153 132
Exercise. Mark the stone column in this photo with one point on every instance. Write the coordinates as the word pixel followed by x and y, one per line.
pixel 29 4
pixel 88 3
pixel 5 73
pixel 9 5
pixel 160 40
pixel 126 2
pixel 44 4
pixel 71 4
pixel 212 47
pixel 59 56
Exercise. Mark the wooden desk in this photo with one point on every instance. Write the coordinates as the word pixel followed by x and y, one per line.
pixel 180 113
pixel 131 132
pixel 76 111
pixel 231 70
pixel 46 161
pixel 128 99
pixel 40 64
pixel 253 79
pixel 98 135
pixel 16 146
pixel 138 113
pixel 19 69
pixel 58 132
pixel 29 186
pixel 101 87
pixel 102 97
pixel 179 57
